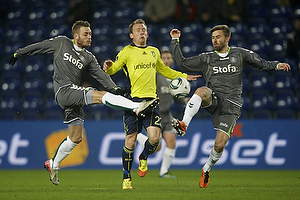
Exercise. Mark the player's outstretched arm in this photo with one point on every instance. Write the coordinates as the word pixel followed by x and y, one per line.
pixel 284 67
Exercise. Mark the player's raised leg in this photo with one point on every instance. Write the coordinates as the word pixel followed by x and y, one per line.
pixel 145 105
pixel 122 103
pixel 202 96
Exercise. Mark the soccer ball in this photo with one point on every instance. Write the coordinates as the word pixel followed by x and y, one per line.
pixel 179 87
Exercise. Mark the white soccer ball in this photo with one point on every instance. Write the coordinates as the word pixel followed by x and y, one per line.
pixel 179 87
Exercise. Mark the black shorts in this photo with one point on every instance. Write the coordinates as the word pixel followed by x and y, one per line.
pixel 224 113
pixel 133 123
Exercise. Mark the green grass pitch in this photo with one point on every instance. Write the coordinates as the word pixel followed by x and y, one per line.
pixel 106 184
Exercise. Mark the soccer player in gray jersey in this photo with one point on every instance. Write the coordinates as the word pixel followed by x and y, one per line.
pixel 222 70
pixel 168 132
pixel 70 58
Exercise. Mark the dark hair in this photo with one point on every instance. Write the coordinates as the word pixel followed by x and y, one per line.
pixel 224 28
pixel 137 21
pixel 78 24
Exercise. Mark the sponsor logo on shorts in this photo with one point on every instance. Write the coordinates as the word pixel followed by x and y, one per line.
pixel 223 124
pixel 76 87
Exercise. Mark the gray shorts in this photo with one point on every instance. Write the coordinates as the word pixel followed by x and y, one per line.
pixel 166 122
pixel 224 113
pixel 72 98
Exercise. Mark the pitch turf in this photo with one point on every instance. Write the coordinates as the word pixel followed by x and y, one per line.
pixel 106 184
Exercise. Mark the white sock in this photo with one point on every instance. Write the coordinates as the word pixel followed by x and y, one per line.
pixel 213 159
pixel 191 109
pixel 63 150
pixel 119 102
pixel 168 156
pixel 141 138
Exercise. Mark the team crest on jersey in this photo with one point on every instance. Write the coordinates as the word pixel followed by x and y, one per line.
pixel 233 59
pixel 82 58
pixel 153 54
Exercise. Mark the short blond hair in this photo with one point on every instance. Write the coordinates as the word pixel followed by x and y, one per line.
pixel 78 24
pixel 137 21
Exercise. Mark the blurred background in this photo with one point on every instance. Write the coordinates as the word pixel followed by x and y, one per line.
pixel 269 27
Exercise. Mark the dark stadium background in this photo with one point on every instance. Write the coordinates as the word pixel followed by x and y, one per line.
pixel 26 87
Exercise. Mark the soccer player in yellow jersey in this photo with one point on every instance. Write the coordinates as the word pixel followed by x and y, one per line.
pixel 140 64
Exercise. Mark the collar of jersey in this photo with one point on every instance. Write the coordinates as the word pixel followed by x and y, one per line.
pixel 76 47
pixel 132 44
pixel 224 53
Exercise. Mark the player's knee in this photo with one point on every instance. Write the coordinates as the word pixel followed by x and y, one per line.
pixel 97 96
pixel 203 92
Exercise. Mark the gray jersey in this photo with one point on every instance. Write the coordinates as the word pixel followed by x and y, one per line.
pixel 68 62
pixel 222 74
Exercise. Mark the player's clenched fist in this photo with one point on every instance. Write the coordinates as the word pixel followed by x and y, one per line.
pixel 107 64
pixel 175 33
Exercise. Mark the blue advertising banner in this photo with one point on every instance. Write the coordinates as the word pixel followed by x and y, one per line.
pixel 255 144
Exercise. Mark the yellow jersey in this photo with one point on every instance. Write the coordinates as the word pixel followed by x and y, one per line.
pixel 140 65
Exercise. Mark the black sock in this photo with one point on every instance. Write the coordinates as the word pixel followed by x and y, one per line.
pixel 127 158
pixel 148 150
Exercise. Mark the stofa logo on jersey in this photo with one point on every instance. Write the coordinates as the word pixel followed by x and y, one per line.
pixel 226 69
pixel 71 59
